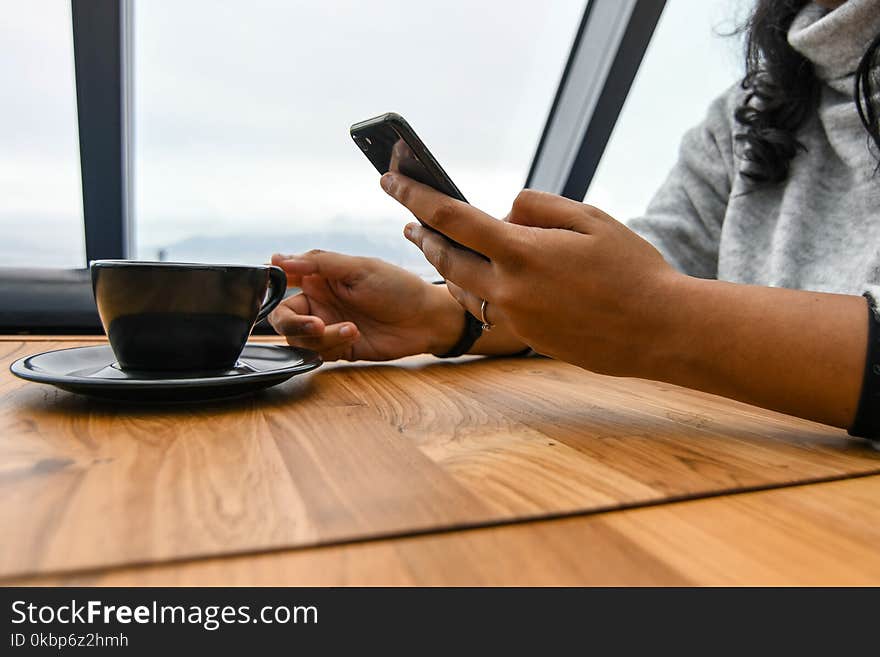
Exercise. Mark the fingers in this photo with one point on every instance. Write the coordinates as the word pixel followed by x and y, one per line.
pixel 465 269
pixel 544 210
pixel 323 263
pixel 336 340
pixel 310 332
pixel 457 220
pixel 344 352
pixel 468 300
pixel 293 279
pixel 292 318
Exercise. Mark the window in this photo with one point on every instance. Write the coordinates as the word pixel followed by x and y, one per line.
pixel 218 130
pixel 41 208
pixel 242 113
pixel 687 64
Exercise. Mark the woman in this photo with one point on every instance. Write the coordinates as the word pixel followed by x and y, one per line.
pixel 744 278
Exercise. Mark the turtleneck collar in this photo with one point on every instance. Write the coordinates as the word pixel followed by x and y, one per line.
pixel 835 40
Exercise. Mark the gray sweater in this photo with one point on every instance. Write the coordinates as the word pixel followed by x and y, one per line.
pixel 819 230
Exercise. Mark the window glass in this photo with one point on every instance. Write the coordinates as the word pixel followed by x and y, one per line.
pixel 242 113
pixel 40 193
pixel 687 65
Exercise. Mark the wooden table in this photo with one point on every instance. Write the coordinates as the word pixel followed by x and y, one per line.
pixel 481 471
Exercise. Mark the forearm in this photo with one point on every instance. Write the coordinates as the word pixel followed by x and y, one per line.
pixel 798 352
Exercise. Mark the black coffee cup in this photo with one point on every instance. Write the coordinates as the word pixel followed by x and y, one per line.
pixel 169 316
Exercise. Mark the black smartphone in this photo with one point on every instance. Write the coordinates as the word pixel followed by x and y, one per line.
pixel 391 144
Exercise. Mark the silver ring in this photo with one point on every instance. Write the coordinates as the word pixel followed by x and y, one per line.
pixel 487 326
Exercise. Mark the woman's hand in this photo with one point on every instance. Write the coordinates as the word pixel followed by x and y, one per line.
pixel 356 308
pixel 575 284
pixel 562 276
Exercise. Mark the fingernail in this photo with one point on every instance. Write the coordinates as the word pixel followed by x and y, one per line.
pixel 386 181
pixel 408 231
pixel 346 331
pixel 310 327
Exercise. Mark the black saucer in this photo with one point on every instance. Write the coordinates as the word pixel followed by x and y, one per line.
pixel 93 371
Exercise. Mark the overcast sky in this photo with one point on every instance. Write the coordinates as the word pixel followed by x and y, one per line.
pixel 242 111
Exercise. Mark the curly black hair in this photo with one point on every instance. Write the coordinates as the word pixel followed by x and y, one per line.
pixel 782 90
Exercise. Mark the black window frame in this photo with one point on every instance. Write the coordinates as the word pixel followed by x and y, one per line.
pixel 51 301
pixel 587 103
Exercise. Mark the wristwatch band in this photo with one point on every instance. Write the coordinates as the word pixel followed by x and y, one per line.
pixel 867 420
pixel 473 329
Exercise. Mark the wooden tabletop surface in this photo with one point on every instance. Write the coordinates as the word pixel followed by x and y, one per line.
pixel 812 535
pixel 499 471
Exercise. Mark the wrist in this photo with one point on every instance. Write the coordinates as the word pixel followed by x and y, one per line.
pixel 669 340
pixel 444 320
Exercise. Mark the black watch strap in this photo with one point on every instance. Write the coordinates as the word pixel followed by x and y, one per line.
pixel 473 329
pixel 867 421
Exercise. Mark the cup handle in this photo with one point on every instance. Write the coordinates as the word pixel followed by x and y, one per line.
pixel 277 288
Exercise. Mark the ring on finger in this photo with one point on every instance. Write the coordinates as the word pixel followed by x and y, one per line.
pixel 487 325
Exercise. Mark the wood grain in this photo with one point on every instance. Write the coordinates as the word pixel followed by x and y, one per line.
pixel 820 534
pixel 366 451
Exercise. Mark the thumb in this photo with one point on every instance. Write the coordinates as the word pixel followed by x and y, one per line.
pixel 545 210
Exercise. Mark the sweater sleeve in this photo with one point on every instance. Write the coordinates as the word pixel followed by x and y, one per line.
pixel 684 218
